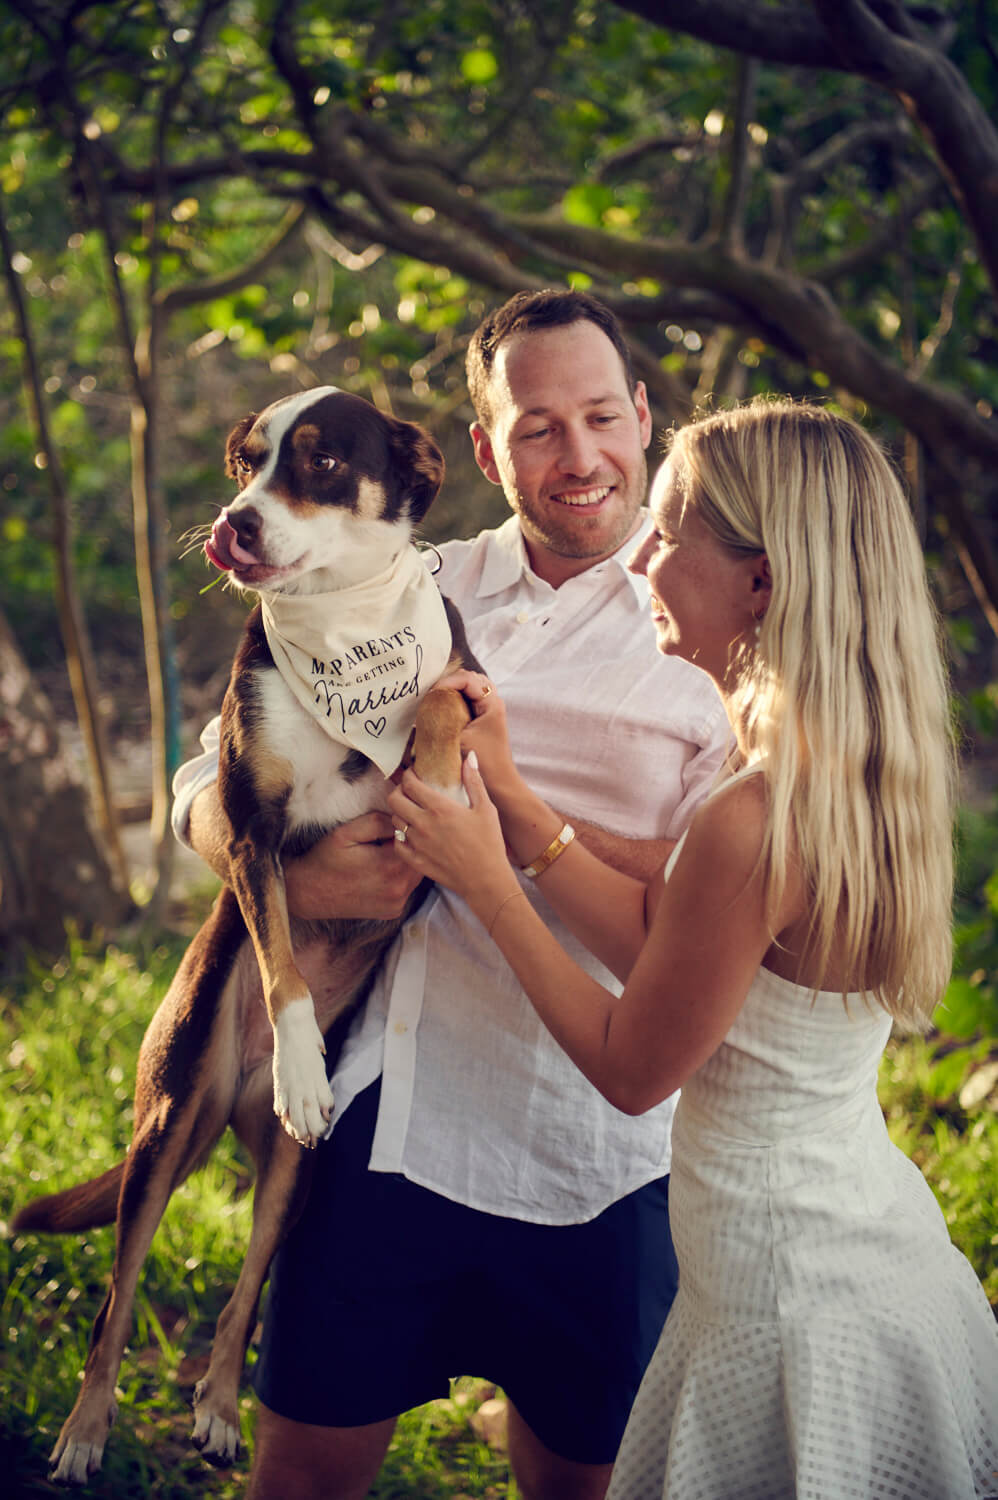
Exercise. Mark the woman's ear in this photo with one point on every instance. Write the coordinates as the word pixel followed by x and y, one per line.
pixel 762 585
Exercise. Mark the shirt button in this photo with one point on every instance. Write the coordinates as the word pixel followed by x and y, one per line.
pixel 522 617
pixel 400 1028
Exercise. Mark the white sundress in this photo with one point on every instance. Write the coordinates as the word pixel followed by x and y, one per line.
pixel 828 1341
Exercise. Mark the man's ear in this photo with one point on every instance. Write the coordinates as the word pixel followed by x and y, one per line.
pixel 484 456
pixel 644 413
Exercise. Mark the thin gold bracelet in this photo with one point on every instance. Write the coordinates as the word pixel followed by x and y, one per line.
pixel 504 902
pixel 554 850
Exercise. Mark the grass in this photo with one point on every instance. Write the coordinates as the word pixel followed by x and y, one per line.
pixel 69 1035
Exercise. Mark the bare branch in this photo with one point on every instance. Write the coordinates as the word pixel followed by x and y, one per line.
pixel 788 189
pixel 72 620
pixel 172 299
pixel 944 322
pixel 845 144
pixel 884 238
pixel 939 99
pixel 798 316
pixel 773 33
pixel 734 200
pixel 628 157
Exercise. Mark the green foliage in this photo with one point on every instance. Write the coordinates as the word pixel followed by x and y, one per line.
pixel 941 1094
pixel 69 1036
pixel 942 1110
pixel 969 1008
pixel 570 110
pixel 68 1040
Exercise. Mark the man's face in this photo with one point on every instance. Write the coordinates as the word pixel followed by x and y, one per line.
pixel 567 445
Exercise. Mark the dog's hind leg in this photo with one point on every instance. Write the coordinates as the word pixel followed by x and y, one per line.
pixel 283 1173
pixel 151 1172
pixel 185 1087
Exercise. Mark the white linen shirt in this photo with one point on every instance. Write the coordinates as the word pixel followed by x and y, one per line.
pixel 478 1102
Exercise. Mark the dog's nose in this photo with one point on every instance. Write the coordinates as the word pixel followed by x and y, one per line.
pixel 246 523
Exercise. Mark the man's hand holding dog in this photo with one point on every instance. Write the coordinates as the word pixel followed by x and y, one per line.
pixel 354 871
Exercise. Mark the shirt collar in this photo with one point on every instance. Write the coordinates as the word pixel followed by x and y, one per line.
pixel 506 561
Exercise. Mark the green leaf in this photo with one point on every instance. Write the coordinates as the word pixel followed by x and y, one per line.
pixel 965 1009
pixel 479 65
pixel 586 203
pixel 948 1074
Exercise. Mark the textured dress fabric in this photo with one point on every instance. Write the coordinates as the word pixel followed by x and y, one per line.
pixel 828 1340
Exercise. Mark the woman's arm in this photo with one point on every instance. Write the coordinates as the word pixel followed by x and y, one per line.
pixel 709 936
pixel 598 885
pixel 466 852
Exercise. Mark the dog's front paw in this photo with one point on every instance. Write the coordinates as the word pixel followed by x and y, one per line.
pixel 216 1437
pixel 303 1100
pixel 78 1454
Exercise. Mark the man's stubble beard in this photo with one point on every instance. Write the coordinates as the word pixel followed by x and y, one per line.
pixel 571 540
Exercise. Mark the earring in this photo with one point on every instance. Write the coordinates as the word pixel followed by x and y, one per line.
pixel 757 631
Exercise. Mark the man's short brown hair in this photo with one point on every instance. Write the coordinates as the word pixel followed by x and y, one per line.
pixel 526 312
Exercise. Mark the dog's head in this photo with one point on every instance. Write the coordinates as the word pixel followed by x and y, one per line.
pixel 330 490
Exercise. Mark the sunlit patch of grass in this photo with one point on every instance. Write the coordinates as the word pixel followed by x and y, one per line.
pixel 69 1038
pixel 941 1113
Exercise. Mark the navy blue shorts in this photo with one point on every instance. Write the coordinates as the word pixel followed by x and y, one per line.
pixel 385 1291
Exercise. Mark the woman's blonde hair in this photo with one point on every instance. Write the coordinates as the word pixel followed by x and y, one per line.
pixel 846 696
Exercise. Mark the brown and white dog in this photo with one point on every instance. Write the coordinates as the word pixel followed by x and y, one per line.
pixel 330 491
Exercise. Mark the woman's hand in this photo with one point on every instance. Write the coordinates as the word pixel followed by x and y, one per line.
pixel 487 734
pixel 459 847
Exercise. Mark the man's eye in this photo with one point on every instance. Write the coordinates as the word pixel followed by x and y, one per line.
pixel 325 462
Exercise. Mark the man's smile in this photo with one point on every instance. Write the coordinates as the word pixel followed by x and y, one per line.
pixel 583 497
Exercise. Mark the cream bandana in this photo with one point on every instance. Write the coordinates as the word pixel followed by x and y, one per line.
pixel 359 658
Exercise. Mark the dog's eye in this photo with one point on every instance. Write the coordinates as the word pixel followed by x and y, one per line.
pixel 324 462
pixel 243 465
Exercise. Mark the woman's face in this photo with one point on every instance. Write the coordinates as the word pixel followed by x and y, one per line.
pixel 705 598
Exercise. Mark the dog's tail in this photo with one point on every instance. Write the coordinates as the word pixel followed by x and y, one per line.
pixel 88 1205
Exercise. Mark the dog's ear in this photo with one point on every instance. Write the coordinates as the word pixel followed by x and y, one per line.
pixel 235 441
pixel 420 466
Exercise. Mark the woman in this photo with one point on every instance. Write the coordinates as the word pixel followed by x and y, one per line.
pixel 828 1340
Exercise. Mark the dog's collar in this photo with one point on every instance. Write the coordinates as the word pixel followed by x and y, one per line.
pixel 358 659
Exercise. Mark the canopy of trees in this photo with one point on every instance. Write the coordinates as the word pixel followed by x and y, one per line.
pixel 207 204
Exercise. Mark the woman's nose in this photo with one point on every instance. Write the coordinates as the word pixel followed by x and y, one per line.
pixel 638 560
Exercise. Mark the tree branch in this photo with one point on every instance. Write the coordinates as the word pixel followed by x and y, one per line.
pixel 75 635
pixel 773 33
pixel 172 299
pixel 883 238
pixel 798 316
pixel 939 100
pixel 734 198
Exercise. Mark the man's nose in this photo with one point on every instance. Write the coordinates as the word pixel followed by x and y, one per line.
pixel 579 451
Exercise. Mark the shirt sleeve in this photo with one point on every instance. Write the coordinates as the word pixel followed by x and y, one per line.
pixel 193 776
pixel 701 771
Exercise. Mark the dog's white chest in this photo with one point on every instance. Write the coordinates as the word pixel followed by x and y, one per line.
pixel 320 794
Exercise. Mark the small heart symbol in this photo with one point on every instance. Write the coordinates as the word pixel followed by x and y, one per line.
pixel 375 726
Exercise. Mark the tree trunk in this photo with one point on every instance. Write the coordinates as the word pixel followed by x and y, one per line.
pixel 52 868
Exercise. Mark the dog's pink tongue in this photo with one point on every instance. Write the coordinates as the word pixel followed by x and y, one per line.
pixel 224 548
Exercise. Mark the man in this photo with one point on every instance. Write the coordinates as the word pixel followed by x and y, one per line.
pixel 481 1210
